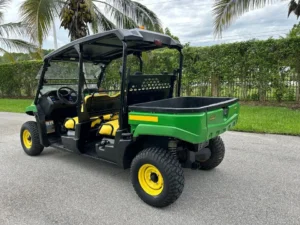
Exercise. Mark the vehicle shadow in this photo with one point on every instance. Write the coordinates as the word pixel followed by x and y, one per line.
pixel 198 183
pixel 85 163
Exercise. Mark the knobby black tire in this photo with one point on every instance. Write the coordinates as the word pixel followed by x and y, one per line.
pixel 217 149
pixel 36 148
pixel 171 171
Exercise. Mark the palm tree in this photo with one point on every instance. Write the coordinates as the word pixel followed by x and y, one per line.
pixel 82 16
pixel 226 11
pixel 6 29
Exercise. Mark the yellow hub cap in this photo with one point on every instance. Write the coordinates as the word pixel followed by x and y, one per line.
pixel 150 179
pixel 27 139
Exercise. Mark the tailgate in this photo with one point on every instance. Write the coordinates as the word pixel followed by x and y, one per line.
pixel 222 119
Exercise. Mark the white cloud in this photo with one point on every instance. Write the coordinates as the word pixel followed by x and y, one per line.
pixel 192 21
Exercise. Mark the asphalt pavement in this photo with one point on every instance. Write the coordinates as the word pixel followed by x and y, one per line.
pixel 257 183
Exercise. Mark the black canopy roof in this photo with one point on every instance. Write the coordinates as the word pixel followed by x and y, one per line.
pixel 107 46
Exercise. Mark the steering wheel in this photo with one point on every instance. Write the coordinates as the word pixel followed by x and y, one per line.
pixel 65 93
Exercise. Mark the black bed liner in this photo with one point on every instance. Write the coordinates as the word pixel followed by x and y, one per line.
pixel 184 104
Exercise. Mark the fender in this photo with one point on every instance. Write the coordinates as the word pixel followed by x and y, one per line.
pixel 159 130
pixel 30 110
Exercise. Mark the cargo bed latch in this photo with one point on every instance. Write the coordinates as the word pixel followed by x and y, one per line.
pixel 225 111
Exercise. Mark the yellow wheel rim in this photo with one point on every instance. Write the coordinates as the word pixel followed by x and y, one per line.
pixel 150 179
pixel 27 141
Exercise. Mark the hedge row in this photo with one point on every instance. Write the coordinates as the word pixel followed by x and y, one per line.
pixel 252 70
pixel 18 79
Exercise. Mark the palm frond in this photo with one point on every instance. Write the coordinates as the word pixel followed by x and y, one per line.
pixel 226 11
pixel 139 13
pixel 292 7
pixel 130 14
pixel 39 14
pixel 1 17
pixel 3 5
pixel 121 19
pixel 146 17
pixel 100 21
pixel 13 28
pixel 16 45
pixel 125 6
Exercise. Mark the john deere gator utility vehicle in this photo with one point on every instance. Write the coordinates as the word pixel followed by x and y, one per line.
pixel 144 125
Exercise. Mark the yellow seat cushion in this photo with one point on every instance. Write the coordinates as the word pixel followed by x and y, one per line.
pixel 106 128
pixel 109 117
pixel 69 124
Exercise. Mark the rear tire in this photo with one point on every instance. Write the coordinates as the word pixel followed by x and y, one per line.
pixel 30 139
pixel 217 150
pixel 157 177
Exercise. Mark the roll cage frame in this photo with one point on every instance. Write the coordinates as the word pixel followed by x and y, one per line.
pixel 125 50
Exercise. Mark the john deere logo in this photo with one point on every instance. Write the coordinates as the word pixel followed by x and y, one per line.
pixel 212 117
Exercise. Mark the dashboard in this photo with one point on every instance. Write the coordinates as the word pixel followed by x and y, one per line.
pixel 50 103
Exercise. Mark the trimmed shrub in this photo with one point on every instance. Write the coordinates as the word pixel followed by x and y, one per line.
pixel 251 70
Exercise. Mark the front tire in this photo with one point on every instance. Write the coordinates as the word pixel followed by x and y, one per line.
pixel 217 150
pixel 30 139
pixel 157 177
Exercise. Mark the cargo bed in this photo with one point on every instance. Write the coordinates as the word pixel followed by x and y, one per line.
pixel 192 119
pixel 184 105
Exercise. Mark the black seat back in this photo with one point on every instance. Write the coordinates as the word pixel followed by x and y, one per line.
pixel 101 104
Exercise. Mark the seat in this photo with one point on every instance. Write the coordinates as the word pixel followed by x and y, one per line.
pixel 70 123
pixel 96 101
pixel 90 101
pixel 109 128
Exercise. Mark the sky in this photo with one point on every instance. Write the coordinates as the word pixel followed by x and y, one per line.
pixel 192 21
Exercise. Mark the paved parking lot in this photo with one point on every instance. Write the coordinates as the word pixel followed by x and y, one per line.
pixel 257 183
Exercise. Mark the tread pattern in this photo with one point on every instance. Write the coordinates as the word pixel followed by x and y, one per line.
pixel 36 148
pixel 217 148
pixel 172 172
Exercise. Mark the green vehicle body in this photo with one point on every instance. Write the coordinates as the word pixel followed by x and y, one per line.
pixel 191 127
pixel 31 109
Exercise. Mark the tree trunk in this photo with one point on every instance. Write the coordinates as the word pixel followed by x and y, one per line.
pixel 244 90
pixel 298 88
pixel 188 90
pixel 54 35
pixel 298 91
pixel 262 94
pixel 203 90
pixel 215 83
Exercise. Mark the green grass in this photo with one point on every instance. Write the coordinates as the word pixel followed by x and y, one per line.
pixel 14 105
pixel 268 119
pixel 258 119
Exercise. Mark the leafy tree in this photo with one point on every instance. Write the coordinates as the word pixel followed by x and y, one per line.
pixel 82 16
pixel 8 57
pixel 8 44
pixel 168 32
pixel 226 11
pixel 294 32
